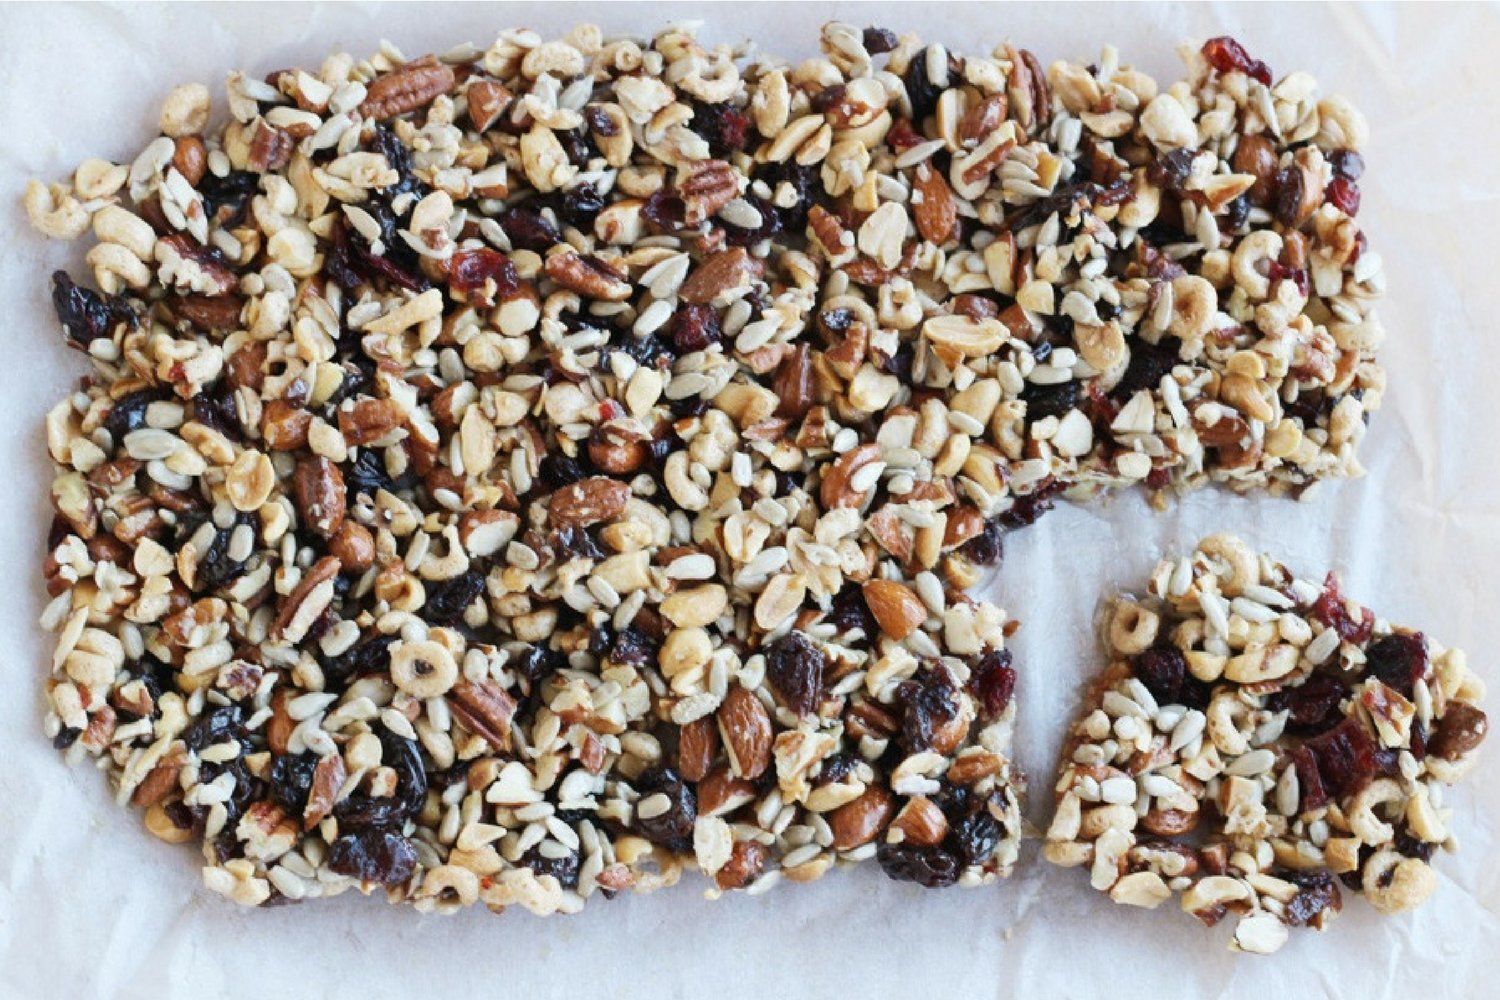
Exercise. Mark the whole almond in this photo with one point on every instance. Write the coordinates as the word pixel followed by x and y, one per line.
pixel 935 213
pixel 721 792
pixel 860 821
pixel 697 747
pixel 895 606
pixel 587 502
pixel 744 866
pixel 745 726
pixel 922 822
pixel 318 487
pixel 369 420
pixel 407 88
pixel 725 270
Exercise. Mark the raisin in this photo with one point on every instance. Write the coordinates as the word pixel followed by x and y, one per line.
pixel 1236 217
pixel 931 705
pixel 1313 705
pixel 367 475
pixel 694 328
pixel 225 198
pixel 974 837
pixel 398 158
pixel 920 90
pixel 577 145
pixel 1044 401
pixel 217 726
pixel 1462 728
pixel 537 664
pixel 129 412
pixel 292 779
pixel 673 828
pixel 564 869
pixel 665 211
pixel 559 470
pixel 931 867
pixel 770 224
pixel 879 41
pixel 217 567
pixel 529 230
pixel 1333 611
pixel 447 600
pixel 835 768
pixel 363 812
pixel 794 669
pixel 723 126
pixel 1026 508
pixel 1227 55
pixel 1290 190
pixel 1346 163
pixel 849 611
pixel 1413 847
pixel 986 548
pixel 1398 660
pixel 1162 670
pixel 1172 171
pixel 374 856
pixel 1148 364
pixel 580 205
pixel 66 737
pixel 372 656
pixel 648 351
pixel 803 180
pixel 1316 891
pixel 1343 194
pixel 992 681
pixel 214 407
pixel 85 314
pixel 1345 756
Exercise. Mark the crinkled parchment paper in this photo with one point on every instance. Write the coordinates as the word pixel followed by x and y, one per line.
pixel 91 905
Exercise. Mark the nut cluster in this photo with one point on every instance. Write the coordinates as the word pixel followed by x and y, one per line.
pixel 1258 739
pixel 525 473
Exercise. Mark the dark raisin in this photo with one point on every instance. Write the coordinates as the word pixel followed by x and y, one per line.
pixel 1413 847
pixel 879 41
pixel 986 548
pixel 84 314
pixel 694 328
pixel 803 180
pixel 1313 705
pixel 580 205
pixel 1148 364
pixel 1162 670
pixel 559 470
pixel 665 211
pixel 835 768
pixel 633 647
pixel 932 704
pixel 974 837
pixel 367 474
pixel 600 121
pixel 1027 507
pixel 794 669
pixel 1290 190
pixel 1226 55
pixel 1345 756
pixel 214 407
pixel 372 656
pixel 360 811
pixel 217 726
pixel 723 126
pixel 374 856
pixel 398 158
pixel 1316 891
pixel 931 867
pixel 537 664
pixel 578 146
pixel 1049 400
pixel 66 737
pixel 1236 217
pixel 1172 170
pixel 1346 163
pixel 992 681
pixel 849 611
pixel 529 230
pixel 1343 194
pixel 217 567
pixel 770 224
pixel 291 780
pixel 129 412
pixel 1398 660
pixel 574 543
pixel 648 350
pixel 672 828
pixel 447 600
pixel 1333 611
pixel 920 90
pixel 225 198
pixel 564 869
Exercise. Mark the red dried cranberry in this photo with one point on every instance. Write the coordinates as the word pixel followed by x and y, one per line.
pixel 1162 670
pixel 1332 610
pixel 1312 705
pixel 665 211
pixel 1227 55
pixel 695 328
pixel 472 270
pixel 931 867
pixel 1296 275
pixel 794 669
pixel 1398 660
pixel 1346 163
pixel 992 681
pixel 1309 780
pixel 1345 756
pixel 1344 195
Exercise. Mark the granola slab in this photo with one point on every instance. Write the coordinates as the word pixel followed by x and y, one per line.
pixel 1257 741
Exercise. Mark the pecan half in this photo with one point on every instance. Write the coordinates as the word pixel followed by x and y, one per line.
pixel 407 88
pixel 485 709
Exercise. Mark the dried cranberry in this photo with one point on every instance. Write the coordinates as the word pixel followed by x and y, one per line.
pixel 794 669
pixel 1148 365
pixel 674 827
pixel 129 412
pixel 1344 195
pixel 878 41
pixel 292 779
pixel 1346 163
pixel 1227 55
pixel 1332 610
pixel 1345 756
pixel 986 548
pixel 665 211
pixel 1316 891
pixel 471 271
pixel 447 600
pixel 374 856
pixel 564 869
pixel 1398 660
pixel 1309 780
pixel 931 867
pixel 974 837
pixel 992 681
pixel 1162 670
pixel 932 703
pixel 1296 275
pixel 849 611
pixel 1312 705
pixel 694 328
pixel 920 90
pixel 723 126
pixel 529 230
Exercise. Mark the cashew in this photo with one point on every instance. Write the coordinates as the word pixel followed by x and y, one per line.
pixel 115 267
pixel 1363 821
pixel 96 178
pixel 451 882
pixel 54 211
pixel 113 224
pixel 434 567
pixel 1132 628
pixel 1234 555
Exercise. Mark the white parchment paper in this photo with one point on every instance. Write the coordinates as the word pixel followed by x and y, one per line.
pixel 92 905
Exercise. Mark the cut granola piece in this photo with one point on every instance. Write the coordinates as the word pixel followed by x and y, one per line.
pixel 1246 753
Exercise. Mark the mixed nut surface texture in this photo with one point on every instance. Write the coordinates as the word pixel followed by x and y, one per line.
pixel 520 475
